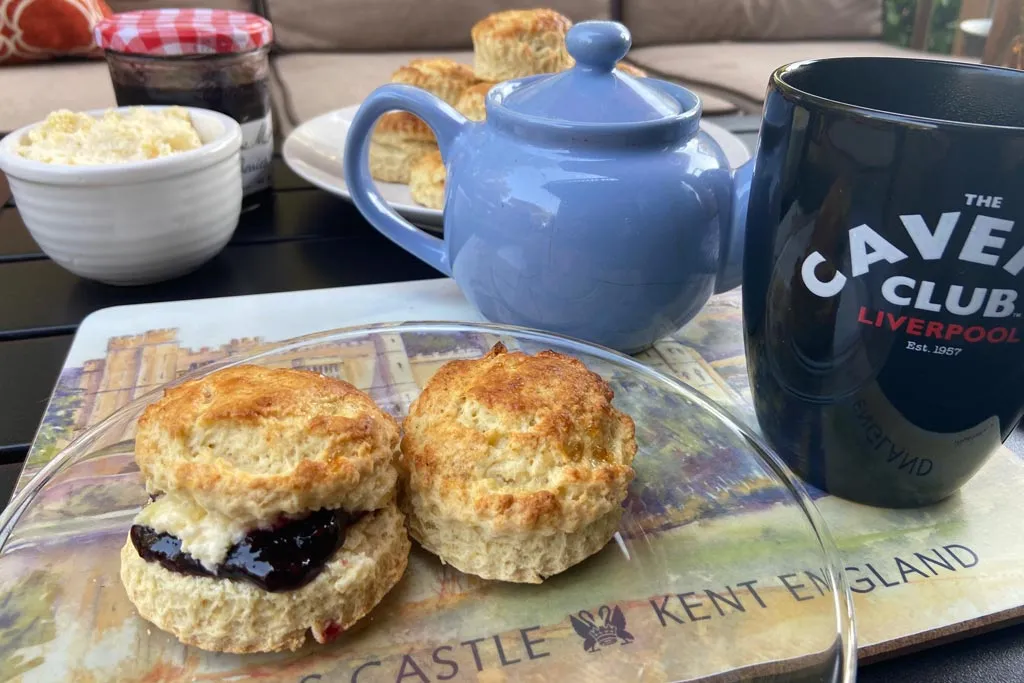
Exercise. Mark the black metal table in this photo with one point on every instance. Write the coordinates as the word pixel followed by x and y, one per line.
pixel 294 238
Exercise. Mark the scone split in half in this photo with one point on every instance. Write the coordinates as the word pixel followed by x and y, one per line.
pixel 515 467
pixel 273 514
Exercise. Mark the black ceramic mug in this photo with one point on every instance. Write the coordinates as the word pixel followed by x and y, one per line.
pixel 882 273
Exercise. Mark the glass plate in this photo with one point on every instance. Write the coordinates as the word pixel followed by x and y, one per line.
pixel 722 568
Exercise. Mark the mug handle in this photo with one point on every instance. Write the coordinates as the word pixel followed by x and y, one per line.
pixel 446 123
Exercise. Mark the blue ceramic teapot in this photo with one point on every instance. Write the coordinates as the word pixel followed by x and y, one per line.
pixel 589 203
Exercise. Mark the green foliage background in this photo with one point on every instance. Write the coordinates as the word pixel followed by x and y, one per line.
pixel 899 23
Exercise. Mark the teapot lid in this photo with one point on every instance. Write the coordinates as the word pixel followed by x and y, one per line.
pixel 593 91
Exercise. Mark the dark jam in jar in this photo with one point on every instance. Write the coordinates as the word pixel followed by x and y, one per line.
pixel 208 59
pixel 244 102
pixel 281 558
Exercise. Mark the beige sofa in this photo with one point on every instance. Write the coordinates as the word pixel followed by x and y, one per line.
pixel 331 53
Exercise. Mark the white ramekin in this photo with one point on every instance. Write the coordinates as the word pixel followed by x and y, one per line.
pixel 134 222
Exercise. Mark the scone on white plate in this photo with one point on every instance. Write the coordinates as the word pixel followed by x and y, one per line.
pixel 440 76
pixel 520 43
pixel 427 179
pixel 514 467
pixel 427 174
pixel 273 514
pixel 400 138
pixel 472 102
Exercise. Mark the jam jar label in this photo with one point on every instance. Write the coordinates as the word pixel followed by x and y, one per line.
pixel 257 154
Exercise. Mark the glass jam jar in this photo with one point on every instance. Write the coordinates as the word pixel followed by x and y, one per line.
pixel 212 59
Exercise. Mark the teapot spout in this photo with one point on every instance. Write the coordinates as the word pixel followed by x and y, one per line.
pixel 730 267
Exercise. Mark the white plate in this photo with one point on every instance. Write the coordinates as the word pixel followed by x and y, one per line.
pixel 315 149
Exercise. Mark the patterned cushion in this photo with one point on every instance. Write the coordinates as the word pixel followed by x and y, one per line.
pixel 33 30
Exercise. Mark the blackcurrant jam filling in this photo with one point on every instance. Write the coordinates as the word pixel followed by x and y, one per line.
pixel 282 558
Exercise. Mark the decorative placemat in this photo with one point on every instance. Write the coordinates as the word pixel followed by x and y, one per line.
pixel 917 575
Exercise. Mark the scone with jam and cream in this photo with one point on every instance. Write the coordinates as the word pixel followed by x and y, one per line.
pixel 273 512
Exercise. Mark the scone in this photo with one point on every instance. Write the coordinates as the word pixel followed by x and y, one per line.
pixel 273 511
pixel 519 43
pixel 472 103
pixel 400 138
pixel 441 76
pixel 515 467
pixel 426 180
pixel 634 71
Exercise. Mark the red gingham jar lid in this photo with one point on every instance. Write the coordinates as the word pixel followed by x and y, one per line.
pixel 174 32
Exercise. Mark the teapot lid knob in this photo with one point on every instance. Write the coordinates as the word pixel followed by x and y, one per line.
pixel 598 45
pixel 594 93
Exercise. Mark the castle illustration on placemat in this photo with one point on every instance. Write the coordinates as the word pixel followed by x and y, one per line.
pixel 139 363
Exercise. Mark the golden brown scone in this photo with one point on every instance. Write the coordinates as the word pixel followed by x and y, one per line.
pixel 441 76
pixel 514 467
pixel 472 103
pixel 634 71
pixel 398 140
pixel 233 616
pixel 519 43
pixel 402 124
pixel 253 443
pixel 426 181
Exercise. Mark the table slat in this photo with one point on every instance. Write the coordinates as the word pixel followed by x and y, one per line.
pixel 28 371
pixel 5 191
pixel 53 301
pixel 13 453
pixel 9 474
pixel 16 244
pixel 302 214
pixel 988 657
pixel 284 179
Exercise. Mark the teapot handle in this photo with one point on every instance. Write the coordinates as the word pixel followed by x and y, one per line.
pixel 446 124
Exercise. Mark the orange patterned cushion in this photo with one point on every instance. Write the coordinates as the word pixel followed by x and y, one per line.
pixel 32 30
